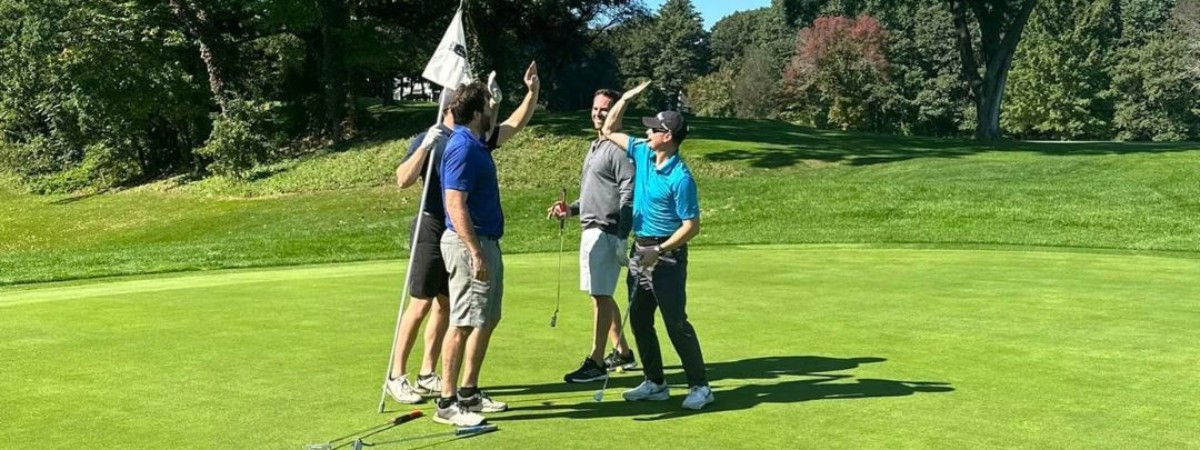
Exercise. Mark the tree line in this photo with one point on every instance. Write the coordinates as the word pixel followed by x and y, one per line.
pixel 106 93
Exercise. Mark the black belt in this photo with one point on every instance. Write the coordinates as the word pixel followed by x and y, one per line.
pixel 643 240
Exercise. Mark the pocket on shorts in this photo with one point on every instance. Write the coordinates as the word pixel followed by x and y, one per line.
pixel 479 290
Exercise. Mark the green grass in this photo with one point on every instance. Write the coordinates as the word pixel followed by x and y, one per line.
pixel 933 294
pixel 807 347
pixel 760 182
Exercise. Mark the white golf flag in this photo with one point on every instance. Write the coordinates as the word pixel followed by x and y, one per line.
pixel 448 67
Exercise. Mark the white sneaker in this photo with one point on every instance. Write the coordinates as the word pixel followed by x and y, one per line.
pixel 428 386
pixel 697 397
pixel 458 416
pixel 401 391
pixel 647 391
pixel 481 402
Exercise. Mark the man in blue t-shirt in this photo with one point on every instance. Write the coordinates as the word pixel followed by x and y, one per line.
pixel 666 215
pixel 471 247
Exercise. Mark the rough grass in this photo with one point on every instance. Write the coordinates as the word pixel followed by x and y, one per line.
pixel 760 182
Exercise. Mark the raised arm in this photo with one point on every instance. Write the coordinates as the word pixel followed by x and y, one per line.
pixel 612 124
pixel 520 117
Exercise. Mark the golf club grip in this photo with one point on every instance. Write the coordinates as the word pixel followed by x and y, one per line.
pixel 562 198
pixel 415 414
pixel 475 429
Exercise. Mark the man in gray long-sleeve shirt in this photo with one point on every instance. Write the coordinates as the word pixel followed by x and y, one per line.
pixel 605 208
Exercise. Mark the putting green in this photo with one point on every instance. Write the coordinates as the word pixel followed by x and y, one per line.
pixel 807 347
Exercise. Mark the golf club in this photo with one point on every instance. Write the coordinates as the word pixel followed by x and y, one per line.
pixel 399 420
pixel 460 432
pixel 562 222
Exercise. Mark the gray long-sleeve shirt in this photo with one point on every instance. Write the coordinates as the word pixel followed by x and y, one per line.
pixel 606 189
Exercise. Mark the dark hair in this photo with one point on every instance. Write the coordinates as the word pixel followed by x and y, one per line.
pixel 468 100
pixel 611 94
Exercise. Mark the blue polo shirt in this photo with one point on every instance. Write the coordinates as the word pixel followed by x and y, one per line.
pixel 468 166
pixel 663 197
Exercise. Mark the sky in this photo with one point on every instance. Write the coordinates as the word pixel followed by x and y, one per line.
pixel 714 10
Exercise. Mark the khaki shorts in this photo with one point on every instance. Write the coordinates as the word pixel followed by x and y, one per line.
pixel 473 303
pixel 601 260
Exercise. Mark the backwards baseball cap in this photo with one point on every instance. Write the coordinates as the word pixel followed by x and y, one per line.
pixel 671 121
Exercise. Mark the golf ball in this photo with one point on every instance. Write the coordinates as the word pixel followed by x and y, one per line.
pixel 620 369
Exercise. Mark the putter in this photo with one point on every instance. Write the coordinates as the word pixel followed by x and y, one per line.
pixel 460 432
pixel 333 443
pixel 562 199
pixel 645 277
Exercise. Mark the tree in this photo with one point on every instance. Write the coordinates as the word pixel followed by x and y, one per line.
pixel 682 48
pixel 1000 23
pixel 838 75
pixel 1057 87
pixel 711 95
pixel 1157 95
pixel 756 84
pixel 564 36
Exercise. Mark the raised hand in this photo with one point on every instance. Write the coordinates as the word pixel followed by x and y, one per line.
pixel 494 88
pixel 531 77
pixel 635 91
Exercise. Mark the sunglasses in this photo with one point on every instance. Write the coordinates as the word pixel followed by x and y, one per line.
pixel 659 130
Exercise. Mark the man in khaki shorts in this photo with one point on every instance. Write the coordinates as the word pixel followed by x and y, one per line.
pixel 605 210
pixel 471 247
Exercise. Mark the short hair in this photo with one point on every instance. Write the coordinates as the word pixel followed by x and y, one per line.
pixel 612 95
pixel 468 100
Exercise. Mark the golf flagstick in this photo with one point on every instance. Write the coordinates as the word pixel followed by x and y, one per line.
pixel 448 67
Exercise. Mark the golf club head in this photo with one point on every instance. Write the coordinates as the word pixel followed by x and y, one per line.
pixel 319 447
pixel 553 320
pixel 598 396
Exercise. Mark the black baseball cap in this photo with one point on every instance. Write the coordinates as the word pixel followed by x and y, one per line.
pixel 671 121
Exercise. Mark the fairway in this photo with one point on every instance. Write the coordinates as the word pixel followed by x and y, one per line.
pixel 806 346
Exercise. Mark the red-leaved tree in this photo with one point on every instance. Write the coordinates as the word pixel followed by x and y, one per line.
pixel 838 74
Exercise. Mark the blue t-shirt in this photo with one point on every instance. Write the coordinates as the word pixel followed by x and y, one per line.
pixel 663 197
pixel 468 166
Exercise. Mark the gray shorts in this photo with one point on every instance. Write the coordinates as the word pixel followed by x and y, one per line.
pixel 601 260
pixel 473 303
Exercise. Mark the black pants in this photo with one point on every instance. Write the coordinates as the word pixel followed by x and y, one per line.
pixel 669 296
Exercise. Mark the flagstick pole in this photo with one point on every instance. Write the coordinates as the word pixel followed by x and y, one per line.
pixel 412 252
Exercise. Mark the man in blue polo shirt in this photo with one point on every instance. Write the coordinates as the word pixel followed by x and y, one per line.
pixel 666 215
pixel 471 247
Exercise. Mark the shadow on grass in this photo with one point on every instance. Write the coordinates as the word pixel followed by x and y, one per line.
pixel 737 385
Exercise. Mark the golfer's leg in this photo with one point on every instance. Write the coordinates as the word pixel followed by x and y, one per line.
pixel 602 308
pixel 670 283
pixel 477 346
pixel 615 333
pixel 489 309
pixel 457 266
pixel 409 325
pixel 641 319
pixel 435 332
pixel 452 351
